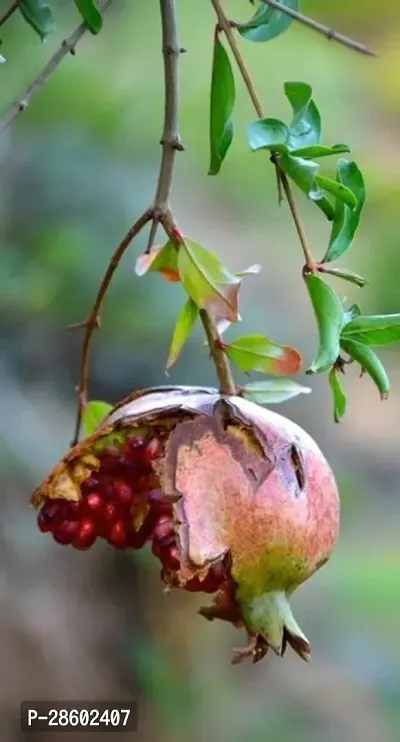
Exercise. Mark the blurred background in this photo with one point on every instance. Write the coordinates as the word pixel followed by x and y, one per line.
pixel 75 171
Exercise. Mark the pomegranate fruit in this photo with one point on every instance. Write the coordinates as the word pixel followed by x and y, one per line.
pixel 235 501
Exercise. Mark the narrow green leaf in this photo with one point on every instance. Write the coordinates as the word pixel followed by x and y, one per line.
pixel 270 134
pixel 183 329
pixel 39 16
pixel 162 260
pixel 208 282
pixel 268 23
pixel 338 190
pixel 303 173
pixel 273 391
pixel 345 274
pixel 329 313
pixel 369 362
pixel 305 129
pixel 90 14
pixel 259 353
pixel 93 414
pixel 346 220
pixel 222 100
pixel 378 329
pixel 339 397
pixel 319 150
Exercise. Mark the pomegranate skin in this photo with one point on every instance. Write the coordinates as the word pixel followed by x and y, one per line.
pixel 252 485
pixel 254 504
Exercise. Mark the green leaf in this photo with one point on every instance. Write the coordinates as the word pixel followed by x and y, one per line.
pixel 270 134
pixel 319 150
pixel 39 16
pixel 345 274
pixel 183 329
pixel 90 14
pixel 273 391
pixel 369 362
pixel 378 329
pixel 303 173
pixel 259 353
pixel 208 282
pixel 339 397
pixel 346 220
pixel 222 100
pixel 305 129
pixel 162 260
pixel 93 414
pixel 338 190
pixel 329 313
pixel 268 23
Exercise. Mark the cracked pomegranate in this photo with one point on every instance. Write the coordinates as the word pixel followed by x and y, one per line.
pixel 234 500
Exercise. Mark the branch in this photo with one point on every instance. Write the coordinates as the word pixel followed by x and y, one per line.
pixel 224 371
pixel 171 143
pixel 93 321
pixel 9 13
pixel 311 263
pixel 67 47
pixel 226 26
pixel 159 212
pixel 330 33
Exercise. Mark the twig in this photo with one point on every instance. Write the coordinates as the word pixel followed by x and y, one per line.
pixel 159 212
pixel 9 13
pixel 93 321
pixel 224 371
pixel 171 142
pixel 281 176
pixel 311 264
pixel 67 47
pixel 225 25
pixel 330 33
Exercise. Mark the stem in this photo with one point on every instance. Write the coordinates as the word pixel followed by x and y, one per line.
pixel 66 47
pixel 281 176
pixel 226 381
pixel 9 13
pixel 222 365
pixel 93 321
pixel 227 29
pixel 311 263
pixel 171 142
pixel 330 33
pixel 159 212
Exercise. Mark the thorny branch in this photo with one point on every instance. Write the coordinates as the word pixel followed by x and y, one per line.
pixel 67 47
pixel 226 27
pixel 158 213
